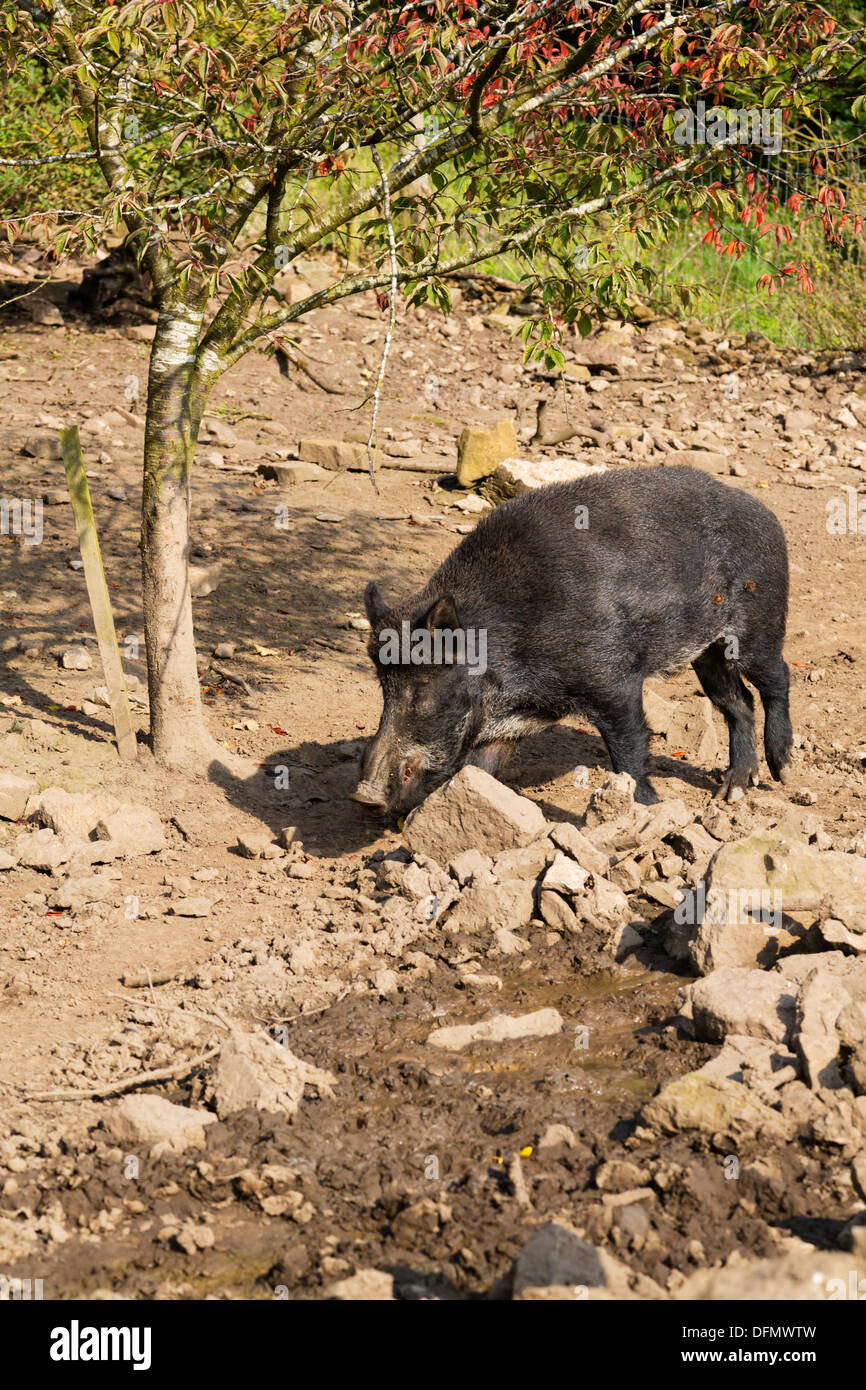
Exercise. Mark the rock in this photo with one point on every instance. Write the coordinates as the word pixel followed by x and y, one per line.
pixel 603 903
pixel 46 314
pixel 819 1003
pixel 507 943
pixel 7 861
pixel 741 942
pixel 255 1072
pixel 554 1255
pixel 613 799
pixel 713 1107
pixel 754 1003
pixel 797 420
pixel 802 879
pixel 76 659
pixel 619 1175
pixel 483 906
pixel 45 448
pixel 203 579
pixel 523 863
pixel 366 1286
pixel 568 838
pixel 625 940
pixel 692 842
pixel 516 475
pixel 290 474
pixel 472 809
pixel 544 1023
pixel 742 1058
pixel 334 454
pixel 479 451
pixel 701 458
pixel 256 844
pixel 191 907
pixel 802 1275
pixel 565 876
pixel 151 1120
pixel 44 850
pixel 556 912
pixel 76 893
pixel 555 1135
pixel 224 651
pixel 135 829
pixel 72 815
pixel 219 432
pixel 15 792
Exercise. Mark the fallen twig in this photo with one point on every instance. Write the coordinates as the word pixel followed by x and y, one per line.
pixel 130 1083
pixel 228 676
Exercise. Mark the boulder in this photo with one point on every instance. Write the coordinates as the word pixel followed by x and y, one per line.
pixel 712 1106
pixel 253 1072
pixel 134 829
pixel 72 815
pixel 472 810
pixel 480 451
pixel 485 906
pixel 754 1003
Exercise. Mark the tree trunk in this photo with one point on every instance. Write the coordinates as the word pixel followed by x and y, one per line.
pixel 176 399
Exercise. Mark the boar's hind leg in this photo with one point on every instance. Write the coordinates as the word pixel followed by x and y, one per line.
pixel 722 683
pixel 624 730
pixel 770 677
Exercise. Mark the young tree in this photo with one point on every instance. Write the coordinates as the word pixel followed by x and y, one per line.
pixel 418 139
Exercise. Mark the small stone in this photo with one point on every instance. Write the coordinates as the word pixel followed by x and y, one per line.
pixel 334 454
pixel 191 907
pixel 544 1023
pixel 76 659
pixel 14 795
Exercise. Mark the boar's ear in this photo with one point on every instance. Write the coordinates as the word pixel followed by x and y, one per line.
pixel 442 615
pixel 374 603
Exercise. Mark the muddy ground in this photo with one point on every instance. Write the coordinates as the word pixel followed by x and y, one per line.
pixel 434 1167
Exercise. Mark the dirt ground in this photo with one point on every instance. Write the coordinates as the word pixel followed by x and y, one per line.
pixel 425 1164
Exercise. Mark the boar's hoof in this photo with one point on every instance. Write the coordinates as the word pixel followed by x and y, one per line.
pixel 785 775
pixel 369 795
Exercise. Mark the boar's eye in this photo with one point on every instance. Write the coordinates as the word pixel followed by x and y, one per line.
pixel 409 768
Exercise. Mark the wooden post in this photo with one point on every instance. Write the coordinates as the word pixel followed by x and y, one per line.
pixel 97 590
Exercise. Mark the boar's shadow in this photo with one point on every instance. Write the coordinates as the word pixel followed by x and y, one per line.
pixel 320 777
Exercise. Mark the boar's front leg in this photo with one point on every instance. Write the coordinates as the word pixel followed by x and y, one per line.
pixel 722 683
pixel 623 727
pixel 490 757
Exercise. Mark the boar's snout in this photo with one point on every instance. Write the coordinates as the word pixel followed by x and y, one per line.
pixel 368 795
pixel 389 781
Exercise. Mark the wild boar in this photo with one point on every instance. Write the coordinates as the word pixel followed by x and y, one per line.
pixel 561 602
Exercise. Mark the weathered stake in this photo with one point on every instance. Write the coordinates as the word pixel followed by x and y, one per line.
pixel 97 589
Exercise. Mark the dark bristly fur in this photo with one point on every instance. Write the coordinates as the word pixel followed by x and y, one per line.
pixel 670 567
